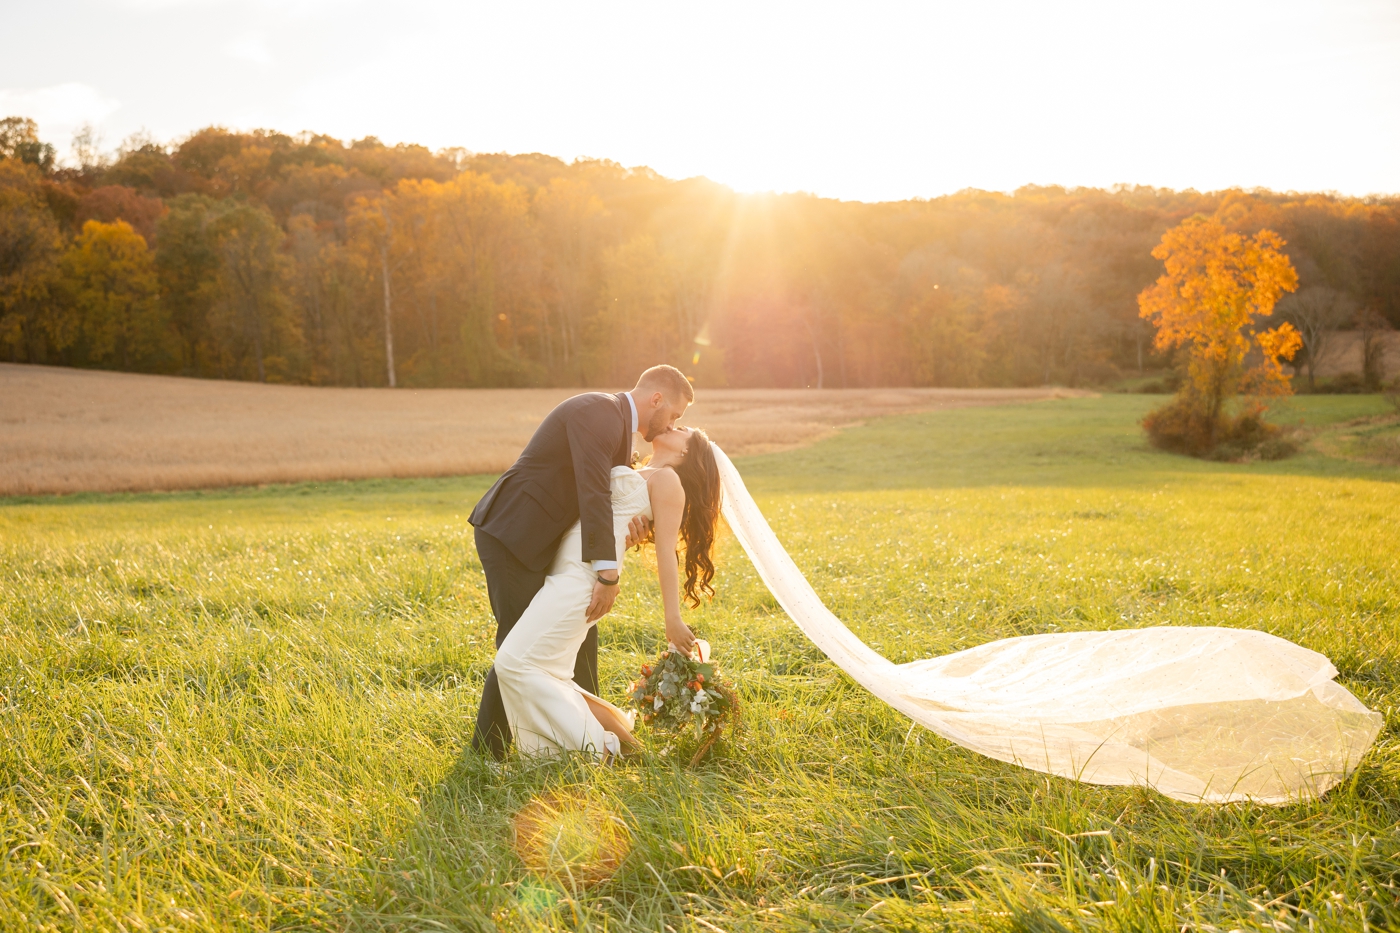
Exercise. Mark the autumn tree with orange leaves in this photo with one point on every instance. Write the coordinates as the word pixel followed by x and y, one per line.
pixel 1216 287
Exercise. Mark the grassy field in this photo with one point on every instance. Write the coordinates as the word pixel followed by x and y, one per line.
pixel 248 709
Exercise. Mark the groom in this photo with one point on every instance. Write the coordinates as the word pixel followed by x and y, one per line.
pixel 564 476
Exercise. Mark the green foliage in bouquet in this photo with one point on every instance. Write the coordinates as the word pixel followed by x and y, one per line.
pixel 687 698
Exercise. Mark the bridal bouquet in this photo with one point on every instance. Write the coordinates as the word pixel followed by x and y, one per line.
pixel 686 695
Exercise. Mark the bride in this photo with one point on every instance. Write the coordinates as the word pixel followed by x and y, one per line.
pixel 679 491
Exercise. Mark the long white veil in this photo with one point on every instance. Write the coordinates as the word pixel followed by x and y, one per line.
pixel 1199 714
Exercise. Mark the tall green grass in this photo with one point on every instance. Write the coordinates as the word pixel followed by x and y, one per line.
pixel 249 709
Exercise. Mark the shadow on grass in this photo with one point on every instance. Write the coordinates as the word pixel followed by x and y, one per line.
pixel 456 866
pixel 453 861
pixel 910 826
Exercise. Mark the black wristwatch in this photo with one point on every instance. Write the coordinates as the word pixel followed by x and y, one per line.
pixel 606 582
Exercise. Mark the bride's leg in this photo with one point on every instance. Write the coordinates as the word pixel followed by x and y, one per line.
pixel 535 665
pixel 609 719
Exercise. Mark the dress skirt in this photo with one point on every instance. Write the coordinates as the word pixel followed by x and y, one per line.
pixel 547 711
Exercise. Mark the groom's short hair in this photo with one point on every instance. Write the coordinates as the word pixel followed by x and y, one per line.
pixel 669 381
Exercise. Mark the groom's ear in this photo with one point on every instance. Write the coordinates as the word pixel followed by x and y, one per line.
pixel 657 400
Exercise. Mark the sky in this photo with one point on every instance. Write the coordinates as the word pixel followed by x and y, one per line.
pixel 867 101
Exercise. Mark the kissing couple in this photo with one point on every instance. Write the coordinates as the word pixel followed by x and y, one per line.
pixel 550 534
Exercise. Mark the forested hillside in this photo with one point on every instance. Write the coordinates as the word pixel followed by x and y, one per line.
pixel 272 257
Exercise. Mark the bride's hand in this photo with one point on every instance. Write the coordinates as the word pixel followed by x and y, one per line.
pixel 638 530
pixel 680 635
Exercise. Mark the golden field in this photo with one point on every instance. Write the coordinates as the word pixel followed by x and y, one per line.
pixel 71 430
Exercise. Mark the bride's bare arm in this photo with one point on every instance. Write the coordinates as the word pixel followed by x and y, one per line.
pixel 667 504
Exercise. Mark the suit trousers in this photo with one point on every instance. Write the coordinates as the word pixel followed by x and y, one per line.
pixel 511 586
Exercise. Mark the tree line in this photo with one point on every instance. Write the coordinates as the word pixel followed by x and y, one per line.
pixel 266 256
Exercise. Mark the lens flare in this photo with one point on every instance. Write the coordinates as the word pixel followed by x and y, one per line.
pixel 570 837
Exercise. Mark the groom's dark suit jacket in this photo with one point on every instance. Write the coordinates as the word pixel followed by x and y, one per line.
pixel 562 476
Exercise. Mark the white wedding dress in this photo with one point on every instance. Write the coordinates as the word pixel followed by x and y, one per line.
pixel 1199 714
pixel 547 711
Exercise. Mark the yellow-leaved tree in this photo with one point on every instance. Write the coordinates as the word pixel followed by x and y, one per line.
pixel 112 290
pixel 1217 286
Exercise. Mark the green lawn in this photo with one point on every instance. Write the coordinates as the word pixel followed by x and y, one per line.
pixel 248 709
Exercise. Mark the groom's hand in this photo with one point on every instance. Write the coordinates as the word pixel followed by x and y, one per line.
pixel 603 597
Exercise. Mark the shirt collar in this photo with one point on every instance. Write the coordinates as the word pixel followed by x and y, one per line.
pixel 632 405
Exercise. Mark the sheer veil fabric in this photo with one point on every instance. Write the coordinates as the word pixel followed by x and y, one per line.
pixel 1204 715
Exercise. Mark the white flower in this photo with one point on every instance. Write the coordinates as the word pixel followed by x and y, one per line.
pixel 702 699
pixel 658 703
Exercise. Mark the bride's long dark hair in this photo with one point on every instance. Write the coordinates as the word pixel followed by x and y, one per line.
pixel 699 474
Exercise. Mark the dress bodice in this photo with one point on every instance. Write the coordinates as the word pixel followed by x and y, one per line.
pixel 629 495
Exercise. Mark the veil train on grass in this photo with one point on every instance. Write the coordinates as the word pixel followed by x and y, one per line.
pixel 1204 715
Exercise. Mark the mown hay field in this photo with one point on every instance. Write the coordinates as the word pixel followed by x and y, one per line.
pixel 248 709
pixel 69 430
